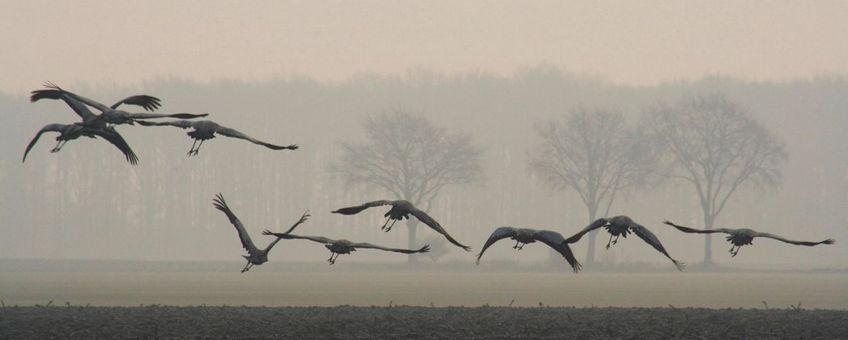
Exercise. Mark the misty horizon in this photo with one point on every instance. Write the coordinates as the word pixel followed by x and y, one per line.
pixel 298 105
pixel 423 170
pixel 645 43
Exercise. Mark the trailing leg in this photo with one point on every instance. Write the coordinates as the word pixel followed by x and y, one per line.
pixel 391 225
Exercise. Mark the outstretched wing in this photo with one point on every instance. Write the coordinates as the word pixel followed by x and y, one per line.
pixel 798 243
pixel 423 249
pixel 302 219
pixel 225 131
pixel 649 237
pixel 497 235
pixel 165 115
pixel 149 103
pixel 57 93
pixel 592 226
pixel 246 242
pixel 87 101
pixel 356 209
pixel 46 128
pixel 182 124
pixel 698 231
pixel 554 240
pixel 319 239
pixel 112 136
pixel 430 222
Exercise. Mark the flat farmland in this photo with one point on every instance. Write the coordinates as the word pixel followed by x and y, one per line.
pixel 346 322
pixel 333 303
pixel 333 287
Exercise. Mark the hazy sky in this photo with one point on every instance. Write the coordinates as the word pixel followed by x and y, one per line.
pixel 636 42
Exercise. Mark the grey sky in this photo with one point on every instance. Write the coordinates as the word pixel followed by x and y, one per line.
pixel 636 42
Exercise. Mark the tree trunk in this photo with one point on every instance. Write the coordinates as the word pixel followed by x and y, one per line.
pixel 708 241
pixel 412 225
pixel 590 251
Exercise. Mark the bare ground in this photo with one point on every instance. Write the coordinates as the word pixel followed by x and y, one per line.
pixel 202 322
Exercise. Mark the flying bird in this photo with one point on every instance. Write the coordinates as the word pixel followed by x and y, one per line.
pixel 69 132
pixel 110 115
pixel 338 247
pixel 621 226
pixel 402 209
pixel 255 256
pixel 744 236
pixel 206 129
pixel 523 236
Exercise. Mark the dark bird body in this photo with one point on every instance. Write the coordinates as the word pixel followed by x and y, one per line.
pixel 400 210
pixel 523 236
pixel 110 115
pixel 619 226
pixel 342 246
pixel 206 129
pixel 68 132
pixel 255 256
pixel 744 236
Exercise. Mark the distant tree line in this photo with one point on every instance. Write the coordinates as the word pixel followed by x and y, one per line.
pixel 707 142
pixel 602 143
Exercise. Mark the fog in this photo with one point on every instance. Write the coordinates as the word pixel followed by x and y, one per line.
pixel 86 202
pixel 490 79
pixel 640 43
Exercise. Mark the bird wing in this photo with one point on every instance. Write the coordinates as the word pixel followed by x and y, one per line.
pixel 149 103
pixel 698 231
pixel 112 136
pixel 87 101
pixel 165 115
pixel 649 237
pixel 430 222
pixel 497 235
pixel 356 209
pixel 592 226
pixel 182 124
pixel 555 240
pixel 423 249
pixel 798 243
pixel 46 128
pixel 225 131
pixel 302 219
pixel 246 242
pixel 319 239
pixel 78 107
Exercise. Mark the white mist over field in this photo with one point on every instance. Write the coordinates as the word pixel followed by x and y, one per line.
pixel 488 80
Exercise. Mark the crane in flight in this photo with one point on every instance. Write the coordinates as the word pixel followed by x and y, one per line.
pixel 342 246
pixel 621 226
pixel 401 209
pixel 744 236
pixel 206 129
pixel 68 132
pixel 523 236
pixel 110 115
pixel 255 256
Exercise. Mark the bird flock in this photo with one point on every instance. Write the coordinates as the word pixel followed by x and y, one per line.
pixel 103 125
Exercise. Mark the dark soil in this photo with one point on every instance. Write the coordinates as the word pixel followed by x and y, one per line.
pixel 344 322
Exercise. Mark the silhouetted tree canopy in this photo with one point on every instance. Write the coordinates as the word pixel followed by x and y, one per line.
pixel 410 158
pixel 593 152
pixel 713 144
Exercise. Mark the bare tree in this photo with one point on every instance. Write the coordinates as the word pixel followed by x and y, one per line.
pixel 410 158
pixel 716 146
pixel 594 153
